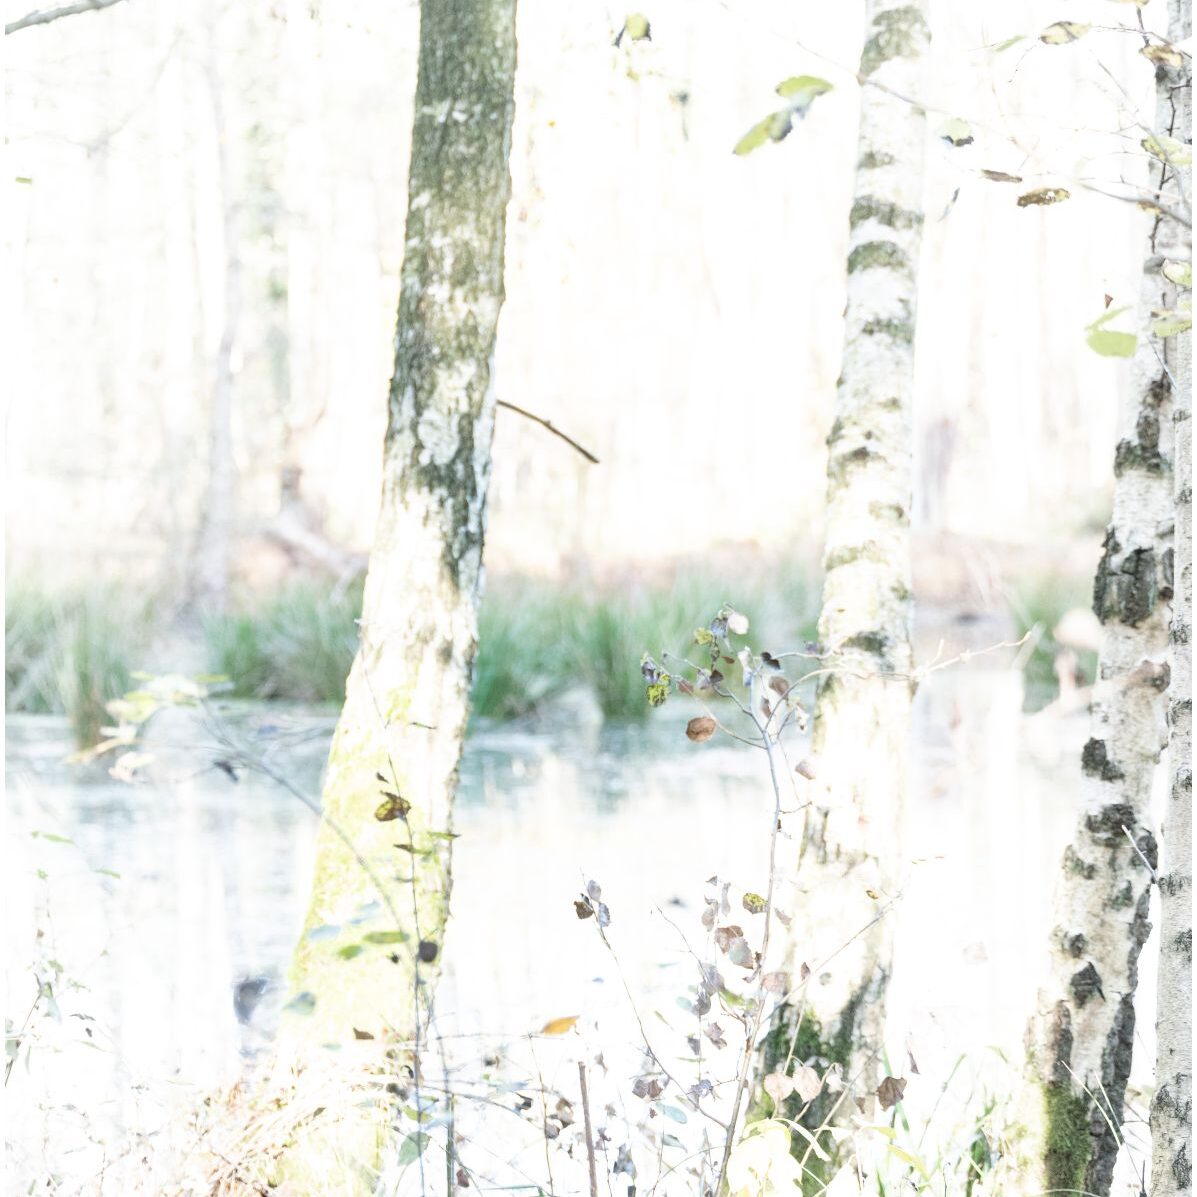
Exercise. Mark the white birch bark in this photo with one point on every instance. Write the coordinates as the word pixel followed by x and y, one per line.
pixel 1081 1038
pixel 1172 1107
pixel 406 702
pixel 851 853
pixel 407 696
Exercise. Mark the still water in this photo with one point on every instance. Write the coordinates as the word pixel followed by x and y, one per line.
pixel 146 905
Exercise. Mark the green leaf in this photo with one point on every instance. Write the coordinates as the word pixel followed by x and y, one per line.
pixel 1109 343
pixel 385 937
pixel 636 28
pixel 1172 323
pixel 1180 274
pixel 755 904
pixel 1063 32
pixel 51 837
pixel 956 131
pixel 1010 41
pixel 802 91
pixel 672 1112
pixel 350 950
pixel 775 127
pixel 412 1149
pixel 1168 149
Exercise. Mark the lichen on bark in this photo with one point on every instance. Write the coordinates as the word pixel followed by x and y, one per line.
pixel 852 841
pixel 1108 866
pixel 371 946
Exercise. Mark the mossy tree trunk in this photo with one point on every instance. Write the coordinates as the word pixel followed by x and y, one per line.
pixel 372 939
pixel 1081 1038
pixel 850 856
pixel 1172 1108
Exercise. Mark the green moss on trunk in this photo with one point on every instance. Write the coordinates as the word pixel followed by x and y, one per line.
pixel 1068 1145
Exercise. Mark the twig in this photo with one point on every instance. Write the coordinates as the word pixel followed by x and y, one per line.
pixel 569 440
pixel 43 16
pixel 589 1132
pixel 1155 877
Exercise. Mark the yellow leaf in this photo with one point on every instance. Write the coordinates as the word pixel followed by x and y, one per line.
pixel 558 1026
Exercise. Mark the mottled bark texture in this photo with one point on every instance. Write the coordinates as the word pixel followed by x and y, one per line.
pixel 1172 1107
pixel 383 883
pixel 851 856
pixel 1081 1038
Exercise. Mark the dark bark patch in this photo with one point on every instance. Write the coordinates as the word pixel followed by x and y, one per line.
pixel 1085 983
pixel 1143 453
pixel 1095 761
pixel 1183 943
pixel 1126 587
pixel 1106 825
pixel 1106 1115
pixel 1074 864
pixel 885 212
pixel 878 255
pixel 896 33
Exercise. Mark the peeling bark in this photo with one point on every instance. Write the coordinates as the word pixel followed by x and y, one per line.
pixel 1078 1079
pixel 1172 1108
pixel 384 884
pixel 862 716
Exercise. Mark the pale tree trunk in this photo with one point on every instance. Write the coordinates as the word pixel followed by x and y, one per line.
pixel 1172 1108
pixel 851 857
pixel 210 566
pixel 1081 1038
pixel 406 703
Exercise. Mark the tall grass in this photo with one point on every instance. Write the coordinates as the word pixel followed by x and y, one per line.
pixel 297 646
pixel 71 652
pixel 534 645
pixel 1037 607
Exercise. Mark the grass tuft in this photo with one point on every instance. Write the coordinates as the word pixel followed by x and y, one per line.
pixel 69 653
pixel 297 646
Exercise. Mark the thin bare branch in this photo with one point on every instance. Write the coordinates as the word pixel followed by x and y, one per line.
pixel 43 16
pixel 569 440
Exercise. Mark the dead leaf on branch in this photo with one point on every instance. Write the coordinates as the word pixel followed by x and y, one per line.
pixel 890 1091
pixel 714 1032
pixel 559 1026
pixel 807 1083
pixel 726 936
pixel 1042 196
pixel 648 1088
pixel 700 728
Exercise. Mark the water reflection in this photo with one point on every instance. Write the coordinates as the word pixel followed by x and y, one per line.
pixel 165 923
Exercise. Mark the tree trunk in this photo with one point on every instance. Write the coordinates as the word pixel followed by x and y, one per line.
pixel 1081 1038
pixel 209 588
pixel 851 858
pixel 382 870
pixel 1172 1108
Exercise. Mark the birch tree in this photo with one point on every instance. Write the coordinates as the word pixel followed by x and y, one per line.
pixel 372 939
pixel 850 852
pixel 1081 1038
pixel 1172 1107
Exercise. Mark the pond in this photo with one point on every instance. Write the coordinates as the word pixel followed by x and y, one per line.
pixel 147 905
